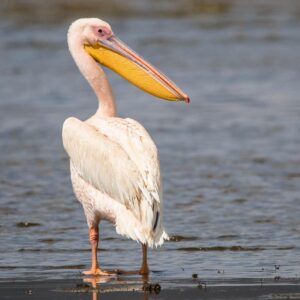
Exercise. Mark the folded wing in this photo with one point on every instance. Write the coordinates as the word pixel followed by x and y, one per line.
pixel 117 157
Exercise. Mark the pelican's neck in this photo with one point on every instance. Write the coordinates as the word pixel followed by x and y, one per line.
pixel 95 77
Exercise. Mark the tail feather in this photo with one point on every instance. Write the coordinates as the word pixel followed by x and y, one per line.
pixel 153 235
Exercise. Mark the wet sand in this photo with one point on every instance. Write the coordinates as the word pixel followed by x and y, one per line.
pixel 76 289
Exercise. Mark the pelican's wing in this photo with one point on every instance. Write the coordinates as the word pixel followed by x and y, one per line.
pixel 138 145
pixel 141 150
pixel 108 155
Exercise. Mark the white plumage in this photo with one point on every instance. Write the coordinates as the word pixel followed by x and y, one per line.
pixel 115 161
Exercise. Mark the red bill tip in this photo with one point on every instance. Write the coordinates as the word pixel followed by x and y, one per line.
pixel 187 99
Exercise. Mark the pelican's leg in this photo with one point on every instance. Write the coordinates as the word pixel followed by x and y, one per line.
pixel 94 239
pixel 144 268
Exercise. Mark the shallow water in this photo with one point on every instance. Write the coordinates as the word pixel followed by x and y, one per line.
pixel 230 160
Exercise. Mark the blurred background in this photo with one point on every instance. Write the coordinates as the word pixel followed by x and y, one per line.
pixel 230 160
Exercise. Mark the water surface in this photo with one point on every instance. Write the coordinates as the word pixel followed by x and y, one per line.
pixel 230 160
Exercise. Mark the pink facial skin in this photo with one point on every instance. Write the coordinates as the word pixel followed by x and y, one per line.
pixel 103 32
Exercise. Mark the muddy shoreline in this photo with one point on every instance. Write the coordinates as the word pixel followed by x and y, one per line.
pixel 133 289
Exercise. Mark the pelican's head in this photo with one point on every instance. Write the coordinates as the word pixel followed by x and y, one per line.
pixel 99 41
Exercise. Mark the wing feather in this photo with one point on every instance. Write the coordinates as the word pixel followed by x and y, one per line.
pixel 118 157
pixel 139 146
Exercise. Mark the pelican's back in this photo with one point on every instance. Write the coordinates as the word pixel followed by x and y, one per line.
pixel 118 158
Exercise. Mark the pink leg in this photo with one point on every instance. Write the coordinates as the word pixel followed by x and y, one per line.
pixel 144 270
pixel 95 269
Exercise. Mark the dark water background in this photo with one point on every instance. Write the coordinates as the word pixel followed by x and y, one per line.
pixel 230 160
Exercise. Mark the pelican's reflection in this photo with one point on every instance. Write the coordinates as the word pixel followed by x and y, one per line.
pixel 93 281
pixel 120 285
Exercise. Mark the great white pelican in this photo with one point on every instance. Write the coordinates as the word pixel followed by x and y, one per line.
pixel 114 163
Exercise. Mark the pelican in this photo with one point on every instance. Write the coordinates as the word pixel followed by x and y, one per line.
pixel 114 163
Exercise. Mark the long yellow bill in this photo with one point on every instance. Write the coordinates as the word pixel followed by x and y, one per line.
pixel 117 56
